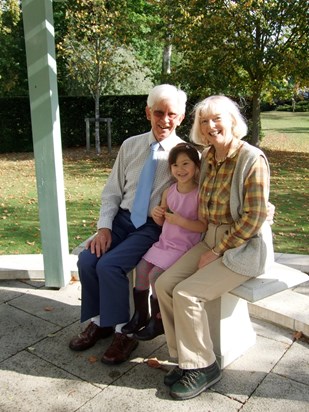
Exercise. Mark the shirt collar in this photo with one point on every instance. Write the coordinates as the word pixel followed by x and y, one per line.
pixel 165 144
pixel 230 156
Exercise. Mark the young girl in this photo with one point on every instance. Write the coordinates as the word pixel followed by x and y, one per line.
pixel 181 229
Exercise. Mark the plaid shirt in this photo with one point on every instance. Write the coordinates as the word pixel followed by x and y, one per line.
pixel 215 199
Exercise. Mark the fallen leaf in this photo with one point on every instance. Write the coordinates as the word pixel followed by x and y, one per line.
pixel 92 359
pixel 300 336
pixel 297 335
pixel 48 308
pixel 154 363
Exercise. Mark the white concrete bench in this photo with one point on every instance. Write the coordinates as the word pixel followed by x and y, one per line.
pixel 230 324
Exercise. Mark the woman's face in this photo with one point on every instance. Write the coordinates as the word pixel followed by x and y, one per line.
pixel 216 128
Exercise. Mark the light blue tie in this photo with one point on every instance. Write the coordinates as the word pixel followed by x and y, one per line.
pixel 144 187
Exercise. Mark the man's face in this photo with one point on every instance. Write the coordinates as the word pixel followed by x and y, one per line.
pixel 164 118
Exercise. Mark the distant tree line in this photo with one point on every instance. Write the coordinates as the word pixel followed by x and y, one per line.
pixel 254 50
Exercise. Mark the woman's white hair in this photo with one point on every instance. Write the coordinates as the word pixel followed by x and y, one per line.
pixel 169 93
pixel 215 105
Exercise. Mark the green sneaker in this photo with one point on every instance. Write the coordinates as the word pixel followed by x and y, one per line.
pixel 173 376
pixel 195 381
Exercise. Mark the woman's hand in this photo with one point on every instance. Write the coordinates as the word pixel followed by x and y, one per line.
pixel 270 213
pixel 207 258
pixel 101 242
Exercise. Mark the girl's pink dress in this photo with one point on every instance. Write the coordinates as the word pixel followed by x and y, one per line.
pixel 174 241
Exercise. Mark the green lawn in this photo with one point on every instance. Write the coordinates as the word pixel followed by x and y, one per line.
pixel 286 143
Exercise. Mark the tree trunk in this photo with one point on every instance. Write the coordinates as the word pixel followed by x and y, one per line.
pixel 256 119
pixel 97 123
pixel 166 60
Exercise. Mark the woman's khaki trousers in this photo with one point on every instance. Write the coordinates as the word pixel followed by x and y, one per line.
pixel 182 291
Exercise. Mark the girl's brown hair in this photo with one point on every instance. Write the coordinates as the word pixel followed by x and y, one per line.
pixel 186 148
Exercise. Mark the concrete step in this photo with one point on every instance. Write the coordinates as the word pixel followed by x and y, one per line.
pixel 289 309
pixel 28 266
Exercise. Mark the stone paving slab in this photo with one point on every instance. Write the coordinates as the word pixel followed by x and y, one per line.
pixel 278 394
pixel 87 364
pixel 41 302
pixel 295 364
pixel 30 384
pixel 18 330
pixel 39 372
pixel 139 391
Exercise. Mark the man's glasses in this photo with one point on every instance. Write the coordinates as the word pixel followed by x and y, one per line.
pixel 159 114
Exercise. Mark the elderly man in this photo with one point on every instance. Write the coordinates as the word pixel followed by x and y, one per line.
pixel 124 235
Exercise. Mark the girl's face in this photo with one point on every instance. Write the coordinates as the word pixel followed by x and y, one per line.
pixel 184 169
pixel 217 127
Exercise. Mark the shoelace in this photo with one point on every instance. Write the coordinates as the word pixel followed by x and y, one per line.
pixel 189 378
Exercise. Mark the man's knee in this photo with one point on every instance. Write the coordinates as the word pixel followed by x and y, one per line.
pixel 86 259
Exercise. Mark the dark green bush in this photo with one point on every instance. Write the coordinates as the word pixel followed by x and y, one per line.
pixel 127 114
pixel 300 106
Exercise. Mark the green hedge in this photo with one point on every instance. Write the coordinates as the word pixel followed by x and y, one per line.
pixel 300 106
pixel 127 113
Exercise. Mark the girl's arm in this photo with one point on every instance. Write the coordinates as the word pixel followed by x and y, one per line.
pixel 158 212
pixel 199 225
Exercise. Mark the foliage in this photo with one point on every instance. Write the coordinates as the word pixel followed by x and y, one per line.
pixel 241 47
pixel 97 51
pixel 125 112
pixel 302 106
pixel 13 70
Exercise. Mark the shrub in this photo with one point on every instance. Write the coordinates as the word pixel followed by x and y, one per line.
pixel 127 114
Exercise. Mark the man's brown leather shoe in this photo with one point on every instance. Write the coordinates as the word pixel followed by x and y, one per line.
pixel 120 349
pixel 90 336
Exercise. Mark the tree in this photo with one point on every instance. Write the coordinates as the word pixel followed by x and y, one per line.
pixel 13 67
pixel 96 49
pixel 241 47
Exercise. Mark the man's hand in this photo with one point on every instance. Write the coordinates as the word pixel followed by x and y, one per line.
pixel 101 242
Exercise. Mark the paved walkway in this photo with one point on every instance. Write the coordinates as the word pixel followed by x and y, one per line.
pixel 38 372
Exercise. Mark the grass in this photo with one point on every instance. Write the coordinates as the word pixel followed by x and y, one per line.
pixel 286 143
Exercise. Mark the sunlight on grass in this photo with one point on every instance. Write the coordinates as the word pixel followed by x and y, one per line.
pixel 285 142
pixel 285 131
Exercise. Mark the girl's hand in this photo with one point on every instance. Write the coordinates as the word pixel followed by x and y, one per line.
pixel 158 212
pixel 207 258
pixel 172 218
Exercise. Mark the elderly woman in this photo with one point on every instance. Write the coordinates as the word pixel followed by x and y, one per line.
pixel 234 189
